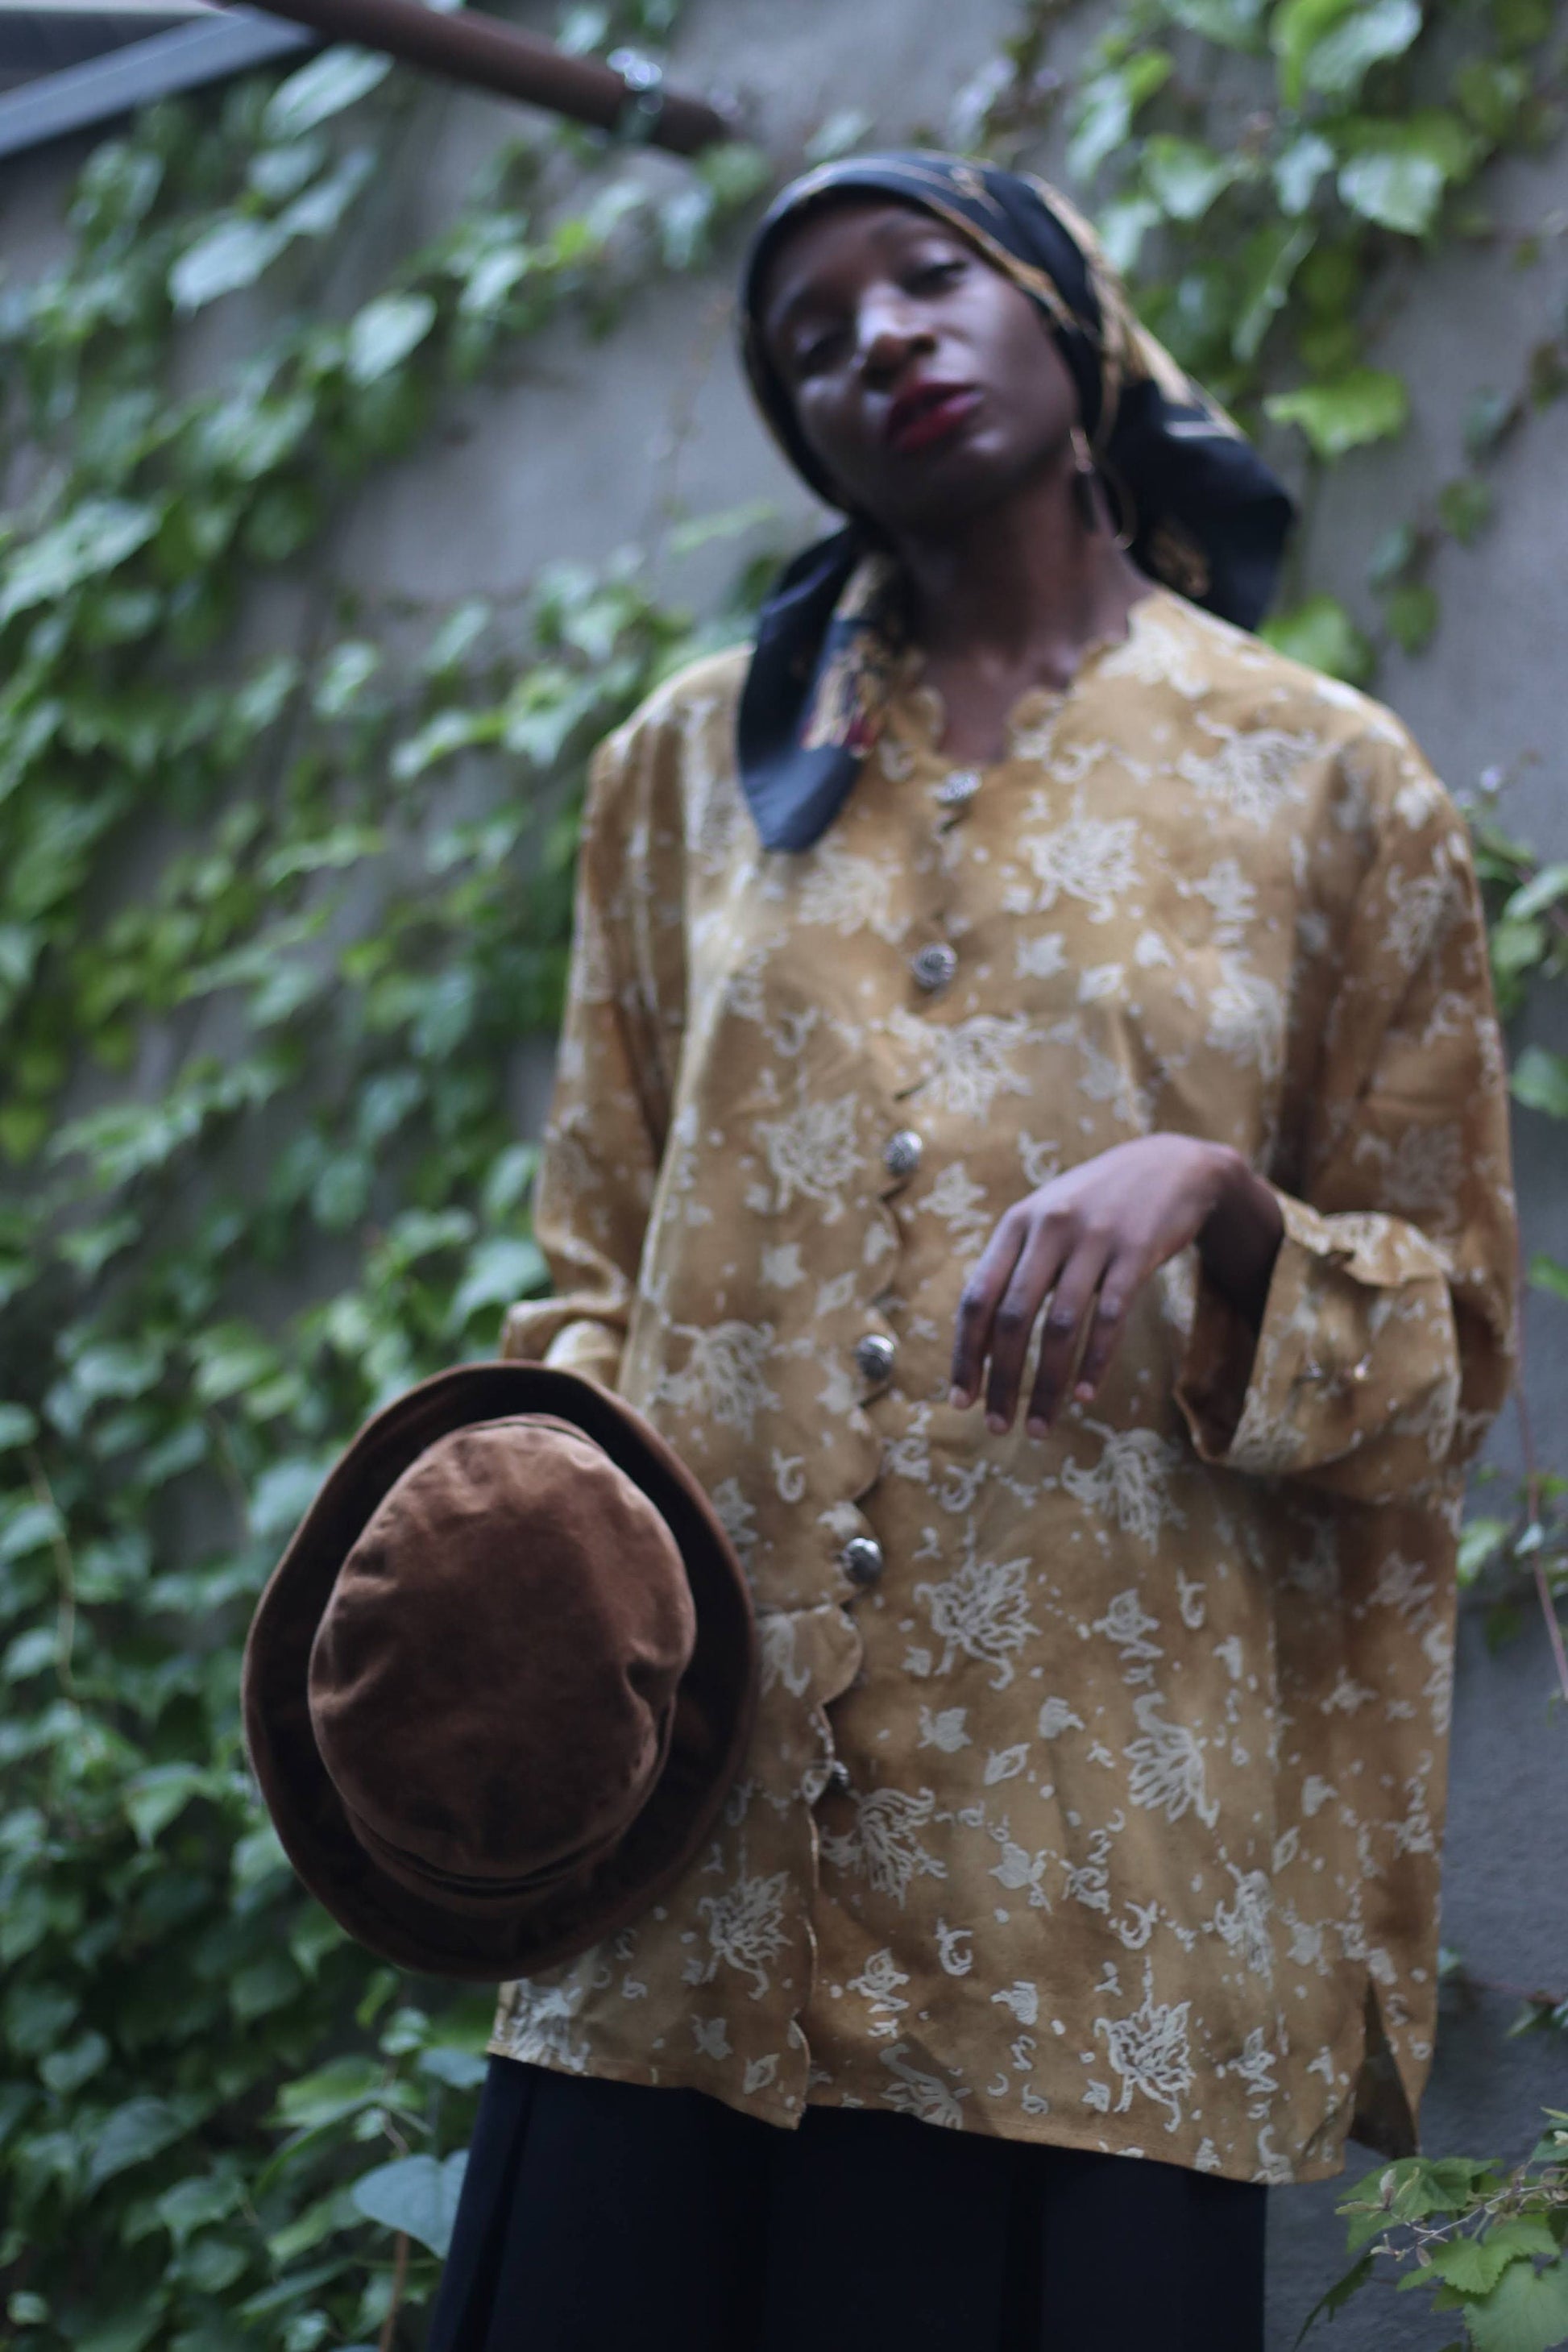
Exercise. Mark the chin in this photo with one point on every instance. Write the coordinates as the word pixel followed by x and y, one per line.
pixel 970 482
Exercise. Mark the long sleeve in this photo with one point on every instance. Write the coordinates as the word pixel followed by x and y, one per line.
pixel 609 1116
pixel 1386 1342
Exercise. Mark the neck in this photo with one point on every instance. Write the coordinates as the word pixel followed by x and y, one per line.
pixel 1020 588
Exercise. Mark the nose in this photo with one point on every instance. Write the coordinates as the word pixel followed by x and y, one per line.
pixel 892 332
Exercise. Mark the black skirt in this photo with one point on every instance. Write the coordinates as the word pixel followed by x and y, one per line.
pixel 598 2216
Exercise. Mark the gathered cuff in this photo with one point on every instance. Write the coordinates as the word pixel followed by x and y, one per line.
pixel 557 1332
pixel 1351 1380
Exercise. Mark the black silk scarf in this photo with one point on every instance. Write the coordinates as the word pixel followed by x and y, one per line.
pixel 1197 506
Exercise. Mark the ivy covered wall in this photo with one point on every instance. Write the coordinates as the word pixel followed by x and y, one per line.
pixel 372 447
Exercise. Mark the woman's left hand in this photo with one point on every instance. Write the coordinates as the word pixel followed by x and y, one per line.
pixel 1089 1241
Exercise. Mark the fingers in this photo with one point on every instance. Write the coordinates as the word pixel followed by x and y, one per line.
pixel 1086 1242
pixel 1039 1268
pixel 1108 1306
pixel 1070 1302
pixel 977 1309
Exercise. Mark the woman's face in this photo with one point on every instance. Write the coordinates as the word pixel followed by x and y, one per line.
pixel 926 382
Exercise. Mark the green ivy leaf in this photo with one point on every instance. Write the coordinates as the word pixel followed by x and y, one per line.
pixel 344 676
pixel 117 2330
pixel 1519 23
pixel 1489 414
pixel 1362 406
pixel 585 27
pixel 19 1427
pixel 734 171
pixel 385 332
pixel 1548 1274
pixel 1397 191
pixel 1539 1081
pixel 1465 507
pixel 134 2134
pixel 1322 634
pixel 1271 260
pixel 65 2071
pixel 1547 888
pixel 1517 950
pixel 1479 1542
pixel 1123 224
pixel 156 1797
pixel 1338 2295
pixel 1490 92
pixel 318 211
pixel 1329 47
pixel 282 1495
pixel 338 78
pixel 1412 611
pixel 416 2196
pixel 233 254
pixel 1526 2234
pixel 33 1652
pixel 1469 2265
pixel 838 134
pixel 1106 106
pixel 28 1527
pixel 1297 170
pixel 1395 172
pixel 460 2070
pixel 1527 2311
pixel 340 2088
pixel 1184 176
pixel 1234 24
pixel 96 538
pixel 499 1271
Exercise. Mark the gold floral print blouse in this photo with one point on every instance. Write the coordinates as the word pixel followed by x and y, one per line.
pixel 1097 1782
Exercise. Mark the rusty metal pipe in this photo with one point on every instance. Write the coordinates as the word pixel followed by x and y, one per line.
pixel 489 56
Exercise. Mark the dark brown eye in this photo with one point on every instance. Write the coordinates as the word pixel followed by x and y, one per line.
pixel 928 277
pixel 817 351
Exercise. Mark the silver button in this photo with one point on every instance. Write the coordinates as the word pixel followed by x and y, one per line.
pixel 838 1778
pixel 959 789
pixel 902 1154
pixel 874 1355
pixel 862 1559
pixel 935 966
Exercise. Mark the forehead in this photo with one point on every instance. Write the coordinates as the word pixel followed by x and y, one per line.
pixel 839 237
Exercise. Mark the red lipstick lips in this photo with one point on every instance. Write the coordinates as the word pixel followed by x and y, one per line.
pixel 929 412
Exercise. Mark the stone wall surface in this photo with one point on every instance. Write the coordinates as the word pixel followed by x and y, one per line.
pixel 592 445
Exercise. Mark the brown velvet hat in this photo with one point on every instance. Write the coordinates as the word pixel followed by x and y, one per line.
pixel 499 1682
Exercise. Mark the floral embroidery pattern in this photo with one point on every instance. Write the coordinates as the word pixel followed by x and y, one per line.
pixel 1167 1691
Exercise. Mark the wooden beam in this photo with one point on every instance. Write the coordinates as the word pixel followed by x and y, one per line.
pixel 627 97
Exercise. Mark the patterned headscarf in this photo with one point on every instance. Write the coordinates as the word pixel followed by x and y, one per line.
pixel 1198 507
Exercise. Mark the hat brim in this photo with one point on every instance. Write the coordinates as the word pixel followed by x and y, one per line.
pixel 713 1715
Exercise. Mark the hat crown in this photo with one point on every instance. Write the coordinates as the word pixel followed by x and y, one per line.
pixel 493 1682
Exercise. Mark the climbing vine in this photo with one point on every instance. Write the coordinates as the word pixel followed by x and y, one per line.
pixel 275 914
pixel 1269 173
pixel 279 900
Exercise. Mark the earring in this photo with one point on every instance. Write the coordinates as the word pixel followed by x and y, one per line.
pixel 1083 495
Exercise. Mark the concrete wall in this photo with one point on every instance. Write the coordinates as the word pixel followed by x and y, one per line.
pixel 593 443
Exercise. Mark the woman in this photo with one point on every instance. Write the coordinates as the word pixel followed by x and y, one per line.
pixel 1031 1132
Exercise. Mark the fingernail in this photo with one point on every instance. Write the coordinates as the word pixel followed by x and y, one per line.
pixel 1037 1427
pixel 996 1424
pixel 1084 1392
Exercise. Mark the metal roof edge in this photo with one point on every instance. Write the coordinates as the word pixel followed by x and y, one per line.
pixel 122 79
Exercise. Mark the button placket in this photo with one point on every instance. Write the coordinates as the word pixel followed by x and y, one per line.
pixel 903 1153
pixel 934 966
pixel 955 793
pixel 861 1559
